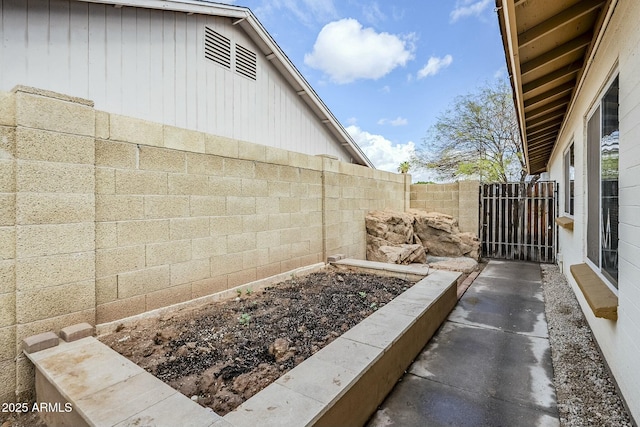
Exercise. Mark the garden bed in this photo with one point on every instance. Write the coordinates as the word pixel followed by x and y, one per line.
pixel 222 353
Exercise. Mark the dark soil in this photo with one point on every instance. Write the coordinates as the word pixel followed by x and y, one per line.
pixel 23 419
pixel 222 353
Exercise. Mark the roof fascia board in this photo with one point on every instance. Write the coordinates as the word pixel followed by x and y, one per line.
pixel 252 26
pixel 506 16
pixel 186 6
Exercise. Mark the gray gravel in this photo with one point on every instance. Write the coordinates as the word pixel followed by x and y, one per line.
pixel 585 391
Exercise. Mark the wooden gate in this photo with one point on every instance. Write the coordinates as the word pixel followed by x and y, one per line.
pixel 518 226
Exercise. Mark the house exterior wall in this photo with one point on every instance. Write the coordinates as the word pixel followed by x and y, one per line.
pixel 104 216
pixel 617 54
pixel 150 64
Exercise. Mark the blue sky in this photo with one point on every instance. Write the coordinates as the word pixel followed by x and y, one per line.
pixel 387 69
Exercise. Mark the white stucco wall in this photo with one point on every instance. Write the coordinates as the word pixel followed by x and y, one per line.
pixel 618 53
pixel 150 64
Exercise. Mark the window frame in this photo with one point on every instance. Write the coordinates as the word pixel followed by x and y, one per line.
pixel 598 108
pixel 569 166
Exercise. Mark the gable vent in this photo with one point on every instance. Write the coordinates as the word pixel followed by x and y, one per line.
pixel 217 48
pixel 245 62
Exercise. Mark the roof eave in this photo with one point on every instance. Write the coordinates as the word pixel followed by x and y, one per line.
pixel 187 6
pixel 556 53
pixel 506 17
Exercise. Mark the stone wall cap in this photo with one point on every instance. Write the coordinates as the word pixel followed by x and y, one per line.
pixel 40 342
pixel 51 94
pixel 76 332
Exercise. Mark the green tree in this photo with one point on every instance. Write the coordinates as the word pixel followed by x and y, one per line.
pixel 404 167
pixel 477 137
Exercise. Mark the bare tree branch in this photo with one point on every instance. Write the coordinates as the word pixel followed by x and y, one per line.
pixel 478 136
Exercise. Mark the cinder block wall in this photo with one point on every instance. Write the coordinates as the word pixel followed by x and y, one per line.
pixel 7 249
pixel 181 214
pixel 459 199
pixel 350 192
pixel 103 217
pixel 47 224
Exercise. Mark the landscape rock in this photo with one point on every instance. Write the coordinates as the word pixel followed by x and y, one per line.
pixel 400 254
pixel 396 237
pixel 393 227
pixel 440 235
pixel 463 264
pixel 280 350
pixel 471 241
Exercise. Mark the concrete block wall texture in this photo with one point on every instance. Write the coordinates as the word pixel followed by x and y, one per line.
pixel 459 199
pixel 104 217
pixel 350 192
pixel 469 206
pixel 193 215
pixel 47 231
pixel 7 249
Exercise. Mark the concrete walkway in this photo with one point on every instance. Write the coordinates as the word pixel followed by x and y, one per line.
pixel 489 364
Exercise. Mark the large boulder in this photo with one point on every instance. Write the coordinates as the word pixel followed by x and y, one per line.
pixel 393 227
pixel 440 235
pixel 390 238
pixel 406 237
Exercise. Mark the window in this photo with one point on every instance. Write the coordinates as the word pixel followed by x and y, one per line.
pixel 569 181
pixel 602 180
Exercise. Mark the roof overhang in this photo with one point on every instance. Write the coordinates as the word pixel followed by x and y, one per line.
pixel 245 19
pixel 547 46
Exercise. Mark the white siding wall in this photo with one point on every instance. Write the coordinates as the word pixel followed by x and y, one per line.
pixel 619 341
pixel 150 64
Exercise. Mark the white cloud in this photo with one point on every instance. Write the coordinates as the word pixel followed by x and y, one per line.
pixel 383 153
pixel 386 89
pixel 372 13
pixel 398 121
pixel 321 9
pixel 306 11
pixel 466 8
pixel 434 65
pixel 346 51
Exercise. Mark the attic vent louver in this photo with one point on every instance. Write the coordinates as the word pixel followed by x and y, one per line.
pixel 245 62
pixel 217 48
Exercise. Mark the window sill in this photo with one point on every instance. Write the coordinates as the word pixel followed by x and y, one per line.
pixel 603 302
pixel 565 222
